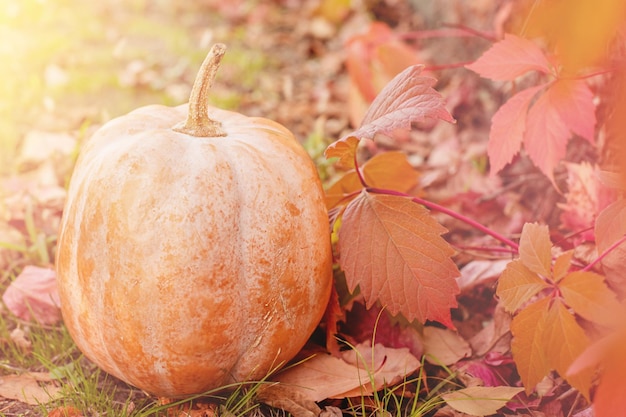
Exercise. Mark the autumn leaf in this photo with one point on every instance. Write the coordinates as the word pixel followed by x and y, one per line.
pixel 508 126
pixel 345 150
pixel 444 346
pixel 610 227
pixel 535 248
pixel 387 170
pixel 529 333
pixel 391 170
pixel 509 58
pixel 517 285
pixel 408 98
pixel 590 298
pixel 566 107
pixel 480 401
pixel 564 340
pixel 562 265
pixel 392 249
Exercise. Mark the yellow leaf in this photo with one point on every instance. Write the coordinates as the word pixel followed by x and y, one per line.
pixel 535 248
pixel 565 340
pixel 589 296
pixel 528 345
pixel 517 285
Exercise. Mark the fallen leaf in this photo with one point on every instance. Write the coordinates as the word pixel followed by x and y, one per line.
pixel 392 249
pixel 34 295
pixel 18 337
pixel 480 271
pixel 358 372
pixel 480 401
pixel 288 399
pixel 444 346
pixel 31 388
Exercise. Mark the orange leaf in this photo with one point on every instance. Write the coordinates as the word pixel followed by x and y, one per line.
pixel 510 58
pixel 345 150
pixel 517 285
pixel 339 192
pixel 589 296
pixel 508 126
pixel 392 248
pixel 528 345
pixel 535 248
pixel 564 341
pixel 390 170
pixel 562 265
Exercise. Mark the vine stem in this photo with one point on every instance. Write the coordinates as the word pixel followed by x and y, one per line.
pixel 198 122
pixel 605 253
pixel 451 213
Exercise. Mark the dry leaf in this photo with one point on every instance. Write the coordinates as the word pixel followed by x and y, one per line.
pixel 444 346
pixel 358 372
pixel 289 399
pixel 32 388
pixel 480 401
pixel 34 295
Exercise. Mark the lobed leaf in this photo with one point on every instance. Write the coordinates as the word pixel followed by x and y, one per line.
pixel 535 248
pixel 392 249
pixel 517 285
pixel 510 58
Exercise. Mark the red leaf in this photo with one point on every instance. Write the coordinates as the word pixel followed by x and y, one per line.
pixel 573 100
pixel 546 135
pixel 565 108
pixel 34 295
pixel 392 249
pixel 408 98
pixel 508 126
pixel 510 58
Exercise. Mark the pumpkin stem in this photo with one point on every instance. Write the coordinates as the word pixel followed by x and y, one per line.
pixel 198 122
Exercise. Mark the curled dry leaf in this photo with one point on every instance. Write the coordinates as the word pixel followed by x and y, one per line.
pixel 34 295
pixel 358 372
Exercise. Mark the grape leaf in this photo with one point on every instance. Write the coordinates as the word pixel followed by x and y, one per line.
pixel 517 285
pixel 564 341
pixel 480 401
pixel 529 334
pixel 406 99
pixel 508 126
pixel 535 248
pixel 392 249
pixel 510 58
pixel 589 296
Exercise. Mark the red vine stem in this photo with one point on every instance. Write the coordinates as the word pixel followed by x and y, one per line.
pixel 606 252
pixel 451 213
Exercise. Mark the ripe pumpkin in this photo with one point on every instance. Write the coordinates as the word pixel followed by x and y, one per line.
pixel 193 255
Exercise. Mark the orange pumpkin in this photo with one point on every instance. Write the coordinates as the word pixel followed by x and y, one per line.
pixel 193 255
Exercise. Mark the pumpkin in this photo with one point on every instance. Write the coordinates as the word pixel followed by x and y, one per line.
pixel 194 249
